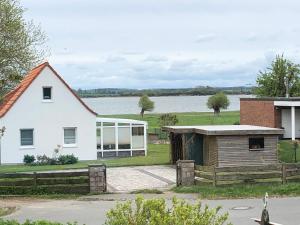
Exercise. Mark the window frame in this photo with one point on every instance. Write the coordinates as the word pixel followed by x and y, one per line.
pixel 27 146
pixel 51 94
pixel 256 149
pixel 71 145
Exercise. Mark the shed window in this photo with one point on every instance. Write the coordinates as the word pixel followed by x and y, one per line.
pixel 26 137
pixel 256 143
pixel 70 136
pixel 47 95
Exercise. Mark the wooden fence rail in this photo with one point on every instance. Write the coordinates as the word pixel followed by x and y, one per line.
pixel 45 182
pixel 283 173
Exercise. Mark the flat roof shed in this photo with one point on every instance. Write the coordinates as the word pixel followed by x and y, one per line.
pixel 224 145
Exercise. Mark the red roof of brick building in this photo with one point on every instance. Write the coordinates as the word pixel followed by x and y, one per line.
pixel 10 98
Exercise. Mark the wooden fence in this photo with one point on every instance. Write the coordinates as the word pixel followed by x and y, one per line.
pixel 217 176
pixel 75 182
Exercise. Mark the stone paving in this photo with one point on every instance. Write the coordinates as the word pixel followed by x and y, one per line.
pixel 127 179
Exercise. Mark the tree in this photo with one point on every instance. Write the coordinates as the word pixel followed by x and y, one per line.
pixel 145 104
pixel 20 43
pixel 217 102
pixel 280 79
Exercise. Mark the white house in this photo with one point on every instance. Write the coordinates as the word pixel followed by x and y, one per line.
pixel 43 112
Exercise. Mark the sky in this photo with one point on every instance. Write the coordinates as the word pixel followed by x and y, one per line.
pixel 166 43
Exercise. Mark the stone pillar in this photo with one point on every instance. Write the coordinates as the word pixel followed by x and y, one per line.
pixel 97 177
pixel 185 172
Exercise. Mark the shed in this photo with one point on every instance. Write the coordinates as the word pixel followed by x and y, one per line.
pixel 224 145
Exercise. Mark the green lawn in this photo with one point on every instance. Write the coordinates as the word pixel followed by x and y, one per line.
pixel 286 152
pixel 242 191
pixel 157 155
pixel 193 118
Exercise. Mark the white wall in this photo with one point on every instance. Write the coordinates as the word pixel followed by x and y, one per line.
pixel 48 121
pixel 286 122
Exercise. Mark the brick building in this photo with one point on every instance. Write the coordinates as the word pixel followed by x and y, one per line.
pixel 272 112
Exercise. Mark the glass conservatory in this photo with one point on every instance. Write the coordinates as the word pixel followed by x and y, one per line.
pixel 121 138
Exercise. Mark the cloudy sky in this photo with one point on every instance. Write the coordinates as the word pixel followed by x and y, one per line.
pixel 166 43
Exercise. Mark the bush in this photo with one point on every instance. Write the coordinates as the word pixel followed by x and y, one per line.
pixel 28 159
pixel 156 212
pixel 167 119
pixel 67 159
pixel 45 160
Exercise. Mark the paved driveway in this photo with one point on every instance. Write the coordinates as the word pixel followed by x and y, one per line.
pixel 127 179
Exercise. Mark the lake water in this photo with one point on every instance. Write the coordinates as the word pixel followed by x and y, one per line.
pixel 166 104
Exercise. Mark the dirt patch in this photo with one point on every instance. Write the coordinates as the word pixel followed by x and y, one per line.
pixel 4 211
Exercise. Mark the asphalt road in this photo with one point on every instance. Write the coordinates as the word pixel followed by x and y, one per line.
pixel 92 210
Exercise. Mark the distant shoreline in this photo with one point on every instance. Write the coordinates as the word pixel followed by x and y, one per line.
pixel 133 96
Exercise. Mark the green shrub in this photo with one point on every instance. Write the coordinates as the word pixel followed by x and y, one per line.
pixel 28 159
pixel 28 222
pixel 45 160
pixel 67 159
pixel 156 212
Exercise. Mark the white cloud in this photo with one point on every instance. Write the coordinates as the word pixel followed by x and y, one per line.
pixel 205 37
pixel 172 43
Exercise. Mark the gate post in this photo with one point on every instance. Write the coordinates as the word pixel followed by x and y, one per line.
pixel 97 178
pixel 185 172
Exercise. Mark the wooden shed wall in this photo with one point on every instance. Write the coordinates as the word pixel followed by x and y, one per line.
pixel 234 151
pixel 210 153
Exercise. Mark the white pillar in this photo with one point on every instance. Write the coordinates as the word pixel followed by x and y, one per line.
pixel 293 127
pixel 145 140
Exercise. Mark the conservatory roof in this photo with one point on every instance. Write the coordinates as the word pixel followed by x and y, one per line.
pixel 118 120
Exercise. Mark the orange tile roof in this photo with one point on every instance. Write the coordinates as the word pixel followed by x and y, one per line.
pixel 10 98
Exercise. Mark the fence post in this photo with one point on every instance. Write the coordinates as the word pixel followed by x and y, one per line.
pixel 185 172
pixel 214 176
pixel 283 173
pixel 34 179
pixel 97 178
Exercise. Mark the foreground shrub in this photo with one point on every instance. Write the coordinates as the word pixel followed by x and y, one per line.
pixel 28 222
pixel 67 159
pixel 29 159
pixel 156 212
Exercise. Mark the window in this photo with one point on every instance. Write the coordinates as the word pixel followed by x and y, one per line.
pixel 47 95
pixel 137 131
pixel 256 143
pixel 70 136
pixel 26 137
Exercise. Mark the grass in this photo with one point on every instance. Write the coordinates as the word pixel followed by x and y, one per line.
pixel 188 119
pixel 286 152
pixel 147 191
pixel 157 155
pixel 242 191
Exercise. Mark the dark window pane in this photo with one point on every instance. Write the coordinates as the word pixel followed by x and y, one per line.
pixel 26 137
pixel 47 92
pixel 137 131
pixel 109 147
pixel 256 143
